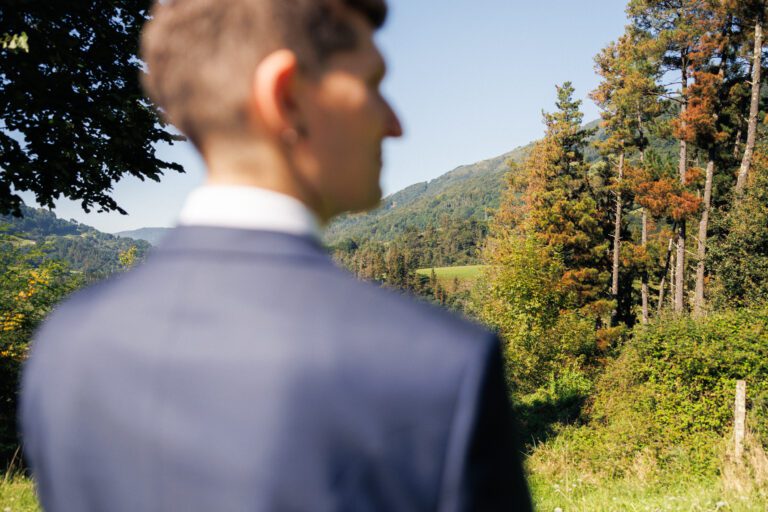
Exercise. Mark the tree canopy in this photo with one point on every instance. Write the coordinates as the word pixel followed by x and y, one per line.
pixel 73 117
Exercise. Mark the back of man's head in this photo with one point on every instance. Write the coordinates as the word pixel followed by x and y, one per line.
pixel 201 54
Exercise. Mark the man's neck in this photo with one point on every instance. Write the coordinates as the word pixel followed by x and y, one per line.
pixel 262 167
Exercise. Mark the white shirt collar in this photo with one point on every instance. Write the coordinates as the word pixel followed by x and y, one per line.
pixel 248 208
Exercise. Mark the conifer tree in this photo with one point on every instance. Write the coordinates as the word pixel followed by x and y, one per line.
pixel 751 15
pixel 670 23
pixel 628 95
pixel 561 205
pixel 701 123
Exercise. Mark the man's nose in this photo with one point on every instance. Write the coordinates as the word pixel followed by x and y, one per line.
pixel 393 127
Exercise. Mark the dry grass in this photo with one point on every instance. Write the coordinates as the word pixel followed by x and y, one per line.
pixel 747 477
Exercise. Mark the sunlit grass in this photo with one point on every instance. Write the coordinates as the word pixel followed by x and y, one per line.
pixel 461 272
pixel 575 495
pixel 17 494
pixel 566 494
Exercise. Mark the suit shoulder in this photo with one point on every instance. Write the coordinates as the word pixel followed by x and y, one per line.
pixel 81 311
pixel 397 312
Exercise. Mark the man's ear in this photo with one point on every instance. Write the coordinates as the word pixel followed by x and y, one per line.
pixel 274 90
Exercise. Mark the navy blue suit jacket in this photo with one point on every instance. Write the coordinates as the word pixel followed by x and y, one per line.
pixel 242 370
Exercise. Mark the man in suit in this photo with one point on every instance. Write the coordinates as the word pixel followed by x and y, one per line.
pixel 238 369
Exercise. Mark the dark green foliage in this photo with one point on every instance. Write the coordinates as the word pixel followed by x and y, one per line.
pixel 740 254
pixel 73 119
pixel 450 244
pixel 559 402
pixel 673 386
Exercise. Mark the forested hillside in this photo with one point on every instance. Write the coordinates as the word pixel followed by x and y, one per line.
pixel 82 248
pixel 467 192
pixel 439 223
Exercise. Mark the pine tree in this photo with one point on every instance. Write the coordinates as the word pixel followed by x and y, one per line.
pixel 628 95
pixel 670 24
pixel 561 207
pixel 701 123
pixel 751 14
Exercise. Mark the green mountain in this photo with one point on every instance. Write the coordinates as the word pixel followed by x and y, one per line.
pixel 469 192
pixel 85 249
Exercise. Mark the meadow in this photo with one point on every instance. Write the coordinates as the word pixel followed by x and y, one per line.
pixel 446 273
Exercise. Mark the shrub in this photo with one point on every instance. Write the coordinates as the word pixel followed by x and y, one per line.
pixel 665 405
pixel 521 296
pixel 30 286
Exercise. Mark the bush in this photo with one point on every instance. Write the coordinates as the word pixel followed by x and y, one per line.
pixel 521 296
pixel 30 286
pixel 665 405
pixel 687 370
pixel 557 403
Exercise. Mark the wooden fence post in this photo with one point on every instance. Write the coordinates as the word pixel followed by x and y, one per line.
pixel 739 423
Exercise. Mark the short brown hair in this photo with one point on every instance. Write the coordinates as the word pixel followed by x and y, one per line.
pixel 201 54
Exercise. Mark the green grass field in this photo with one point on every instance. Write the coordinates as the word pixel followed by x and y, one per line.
pixel 18 495
pixel 681 495
pixel 444 273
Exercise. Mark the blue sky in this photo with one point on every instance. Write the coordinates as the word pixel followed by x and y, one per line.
pixel 468 78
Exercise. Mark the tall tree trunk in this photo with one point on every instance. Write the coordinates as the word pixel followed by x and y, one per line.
pixel 644 276
pixel 644 239
pixel 672 269
pixel 667 270
pixel 749 148
pixel 679 295
pixel 617 240
pixel 698 304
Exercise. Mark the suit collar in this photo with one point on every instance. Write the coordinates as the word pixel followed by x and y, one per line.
pixel 220 240
pixel 242 207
